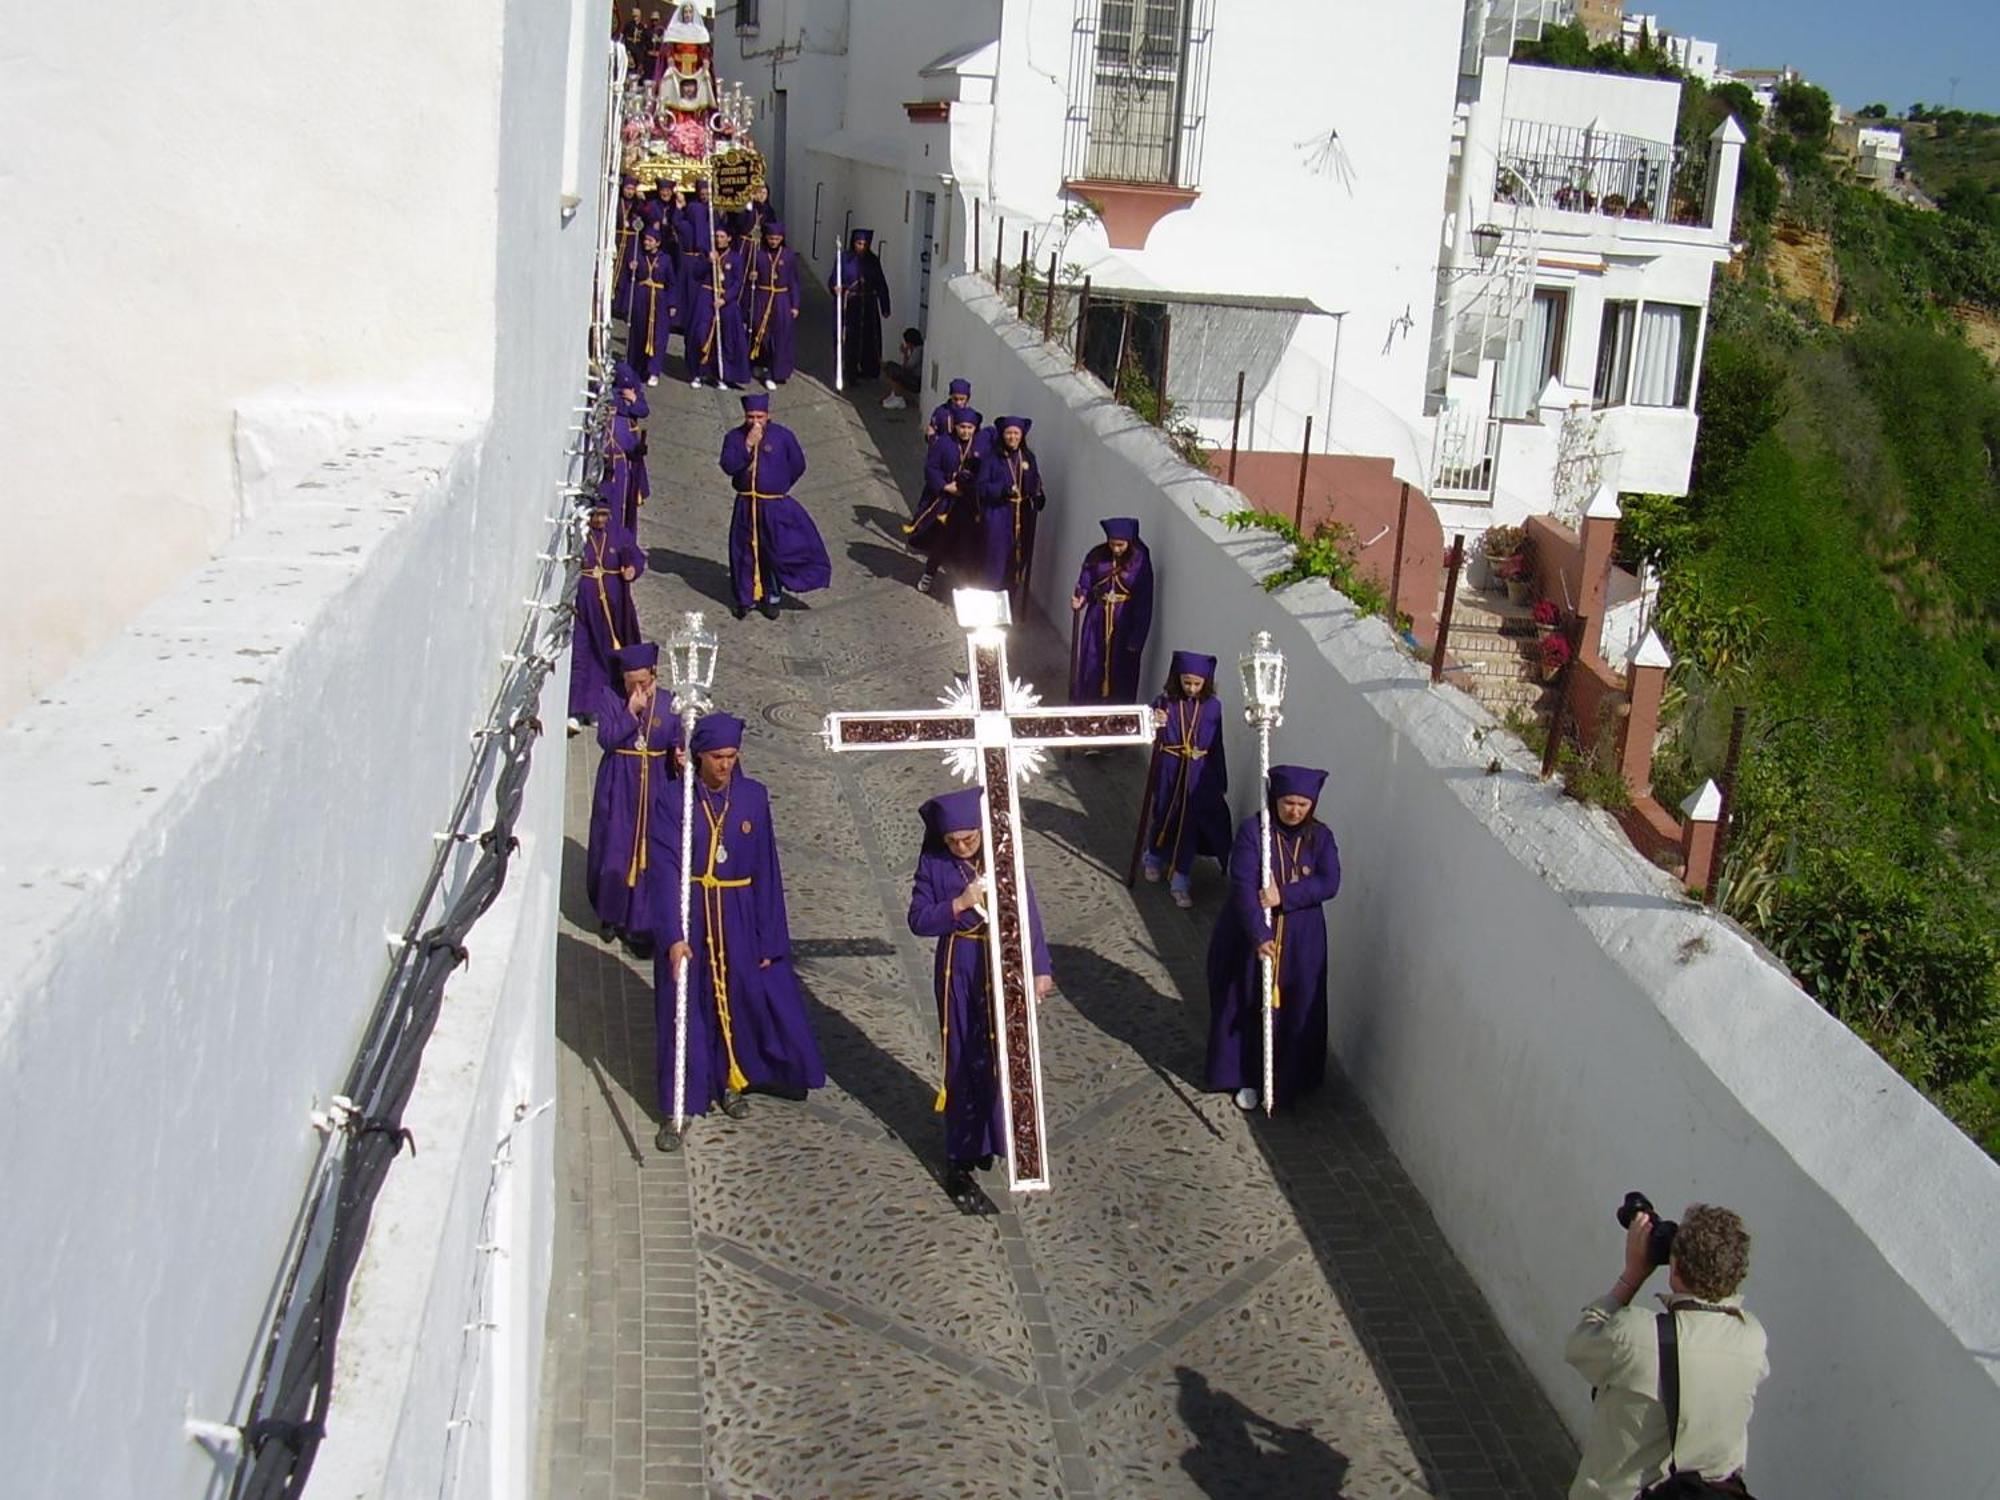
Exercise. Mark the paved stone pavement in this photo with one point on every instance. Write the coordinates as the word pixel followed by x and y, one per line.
pixel 1204 1305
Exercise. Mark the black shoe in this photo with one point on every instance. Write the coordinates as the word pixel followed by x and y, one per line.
pixel 986 1163
pixel 642 947
pixel 768 609
pixel 734 1104
pixel 787 1091
pixel 668 1141
pixel 738 610
pixel 958 1183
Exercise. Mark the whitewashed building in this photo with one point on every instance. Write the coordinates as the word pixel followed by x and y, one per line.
pixel 1580 248
pixel 1691 54
pixel 296 301
pixel 1492 278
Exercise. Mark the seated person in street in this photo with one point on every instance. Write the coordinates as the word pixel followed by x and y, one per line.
pixel 905 373
pixel 1718 1351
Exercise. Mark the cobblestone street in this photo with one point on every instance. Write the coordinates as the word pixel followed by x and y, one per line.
pixel 1203 1305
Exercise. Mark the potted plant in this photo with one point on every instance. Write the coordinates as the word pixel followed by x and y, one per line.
pixel 1498 543
pixel 1515 572
pixel 1555 653
pixel 1548 616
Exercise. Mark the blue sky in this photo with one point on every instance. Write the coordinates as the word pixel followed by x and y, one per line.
pixel 1860 51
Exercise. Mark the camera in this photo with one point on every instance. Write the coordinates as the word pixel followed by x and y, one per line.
pixel 1660 1242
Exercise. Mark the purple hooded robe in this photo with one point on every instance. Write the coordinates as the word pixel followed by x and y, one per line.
pixel 1111 628
pixel 864 302
pixel 1190 811
pixel 1305 866
pixel 710 322
pixel 774 548
pixel 606 620
pixel 747 1022
pixel 970 1096
pixel 624 484
pixel 632 781
pixel 653 313
pixel 1011 497
pixel 945 524
pixel 772 311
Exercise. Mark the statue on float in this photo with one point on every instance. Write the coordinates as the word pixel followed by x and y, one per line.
pixel 681 126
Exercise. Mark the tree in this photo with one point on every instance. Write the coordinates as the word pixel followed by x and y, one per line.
pixel 1872 112
pixel 1804 112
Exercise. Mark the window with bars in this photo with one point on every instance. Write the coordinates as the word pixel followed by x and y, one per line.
pixel 1138 90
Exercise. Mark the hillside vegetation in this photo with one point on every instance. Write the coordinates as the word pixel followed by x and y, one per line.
pixel 1836 569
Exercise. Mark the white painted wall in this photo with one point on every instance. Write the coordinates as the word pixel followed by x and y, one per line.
pixel 214 181
pixel 206 825
pixel 1539 1021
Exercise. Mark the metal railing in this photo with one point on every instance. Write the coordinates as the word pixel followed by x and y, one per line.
pixel 1464 454
pixel 1576 169
pixel 1138 91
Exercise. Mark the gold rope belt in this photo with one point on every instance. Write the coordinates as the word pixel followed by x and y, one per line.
pixel 975 935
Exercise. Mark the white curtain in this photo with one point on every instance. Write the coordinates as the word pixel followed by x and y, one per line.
pixel 1528 360
pixel 1656 354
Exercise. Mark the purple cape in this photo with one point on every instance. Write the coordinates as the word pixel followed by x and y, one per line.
pixel 747 1022
pixel 653 314
pixel 864 293
pixel 624 484
pixel 772 310
pixel 970 1097
pixel 1305 866
pixel 1110 632
pixel 773 545
pixel 729 364
pixel 632 782
pixel 1004 551
pixel 605 617
pixel 1190 811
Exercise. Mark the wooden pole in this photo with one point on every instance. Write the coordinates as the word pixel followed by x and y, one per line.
pixel 1737 721
pixel 1082 320
pixel 1396 567
pixel 999 252
pixel 1305 456
pixel 977 250
pixel 1454 560
pixel 1124 336
pixel 1235 426
pixel 1049 303
pixel 1021 281
pixel 1166 350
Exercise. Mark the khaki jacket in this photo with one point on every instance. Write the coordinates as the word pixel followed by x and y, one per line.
pixel 1617 1350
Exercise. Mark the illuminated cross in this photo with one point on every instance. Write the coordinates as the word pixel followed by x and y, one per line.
pixel 995 732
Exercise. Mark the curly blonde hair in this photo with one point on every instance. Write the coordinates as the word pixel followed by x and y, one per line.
pixel 1711 1251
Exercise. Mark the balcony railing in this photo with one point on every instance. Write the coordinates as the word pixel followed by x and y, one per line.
pixel 1463 454
pixel 1579 170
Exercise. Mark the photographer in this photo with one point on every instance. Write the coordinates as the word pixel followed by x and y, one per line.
pixel 1719 1348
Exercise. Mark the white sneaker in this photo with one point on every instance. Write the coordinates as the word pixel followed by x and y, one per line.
pixel 1247 1099
pixel 652 380
pixel 770 384
pixel 1184 900
pixel 696 382
pixel 894 403
pixel 575 727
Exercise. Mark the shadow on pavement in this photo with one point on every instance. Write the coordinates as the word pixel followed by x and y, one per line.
pixel 1239 1453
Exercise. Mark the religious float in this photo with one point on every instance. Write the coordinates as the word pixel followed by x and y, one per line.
pixel 682 126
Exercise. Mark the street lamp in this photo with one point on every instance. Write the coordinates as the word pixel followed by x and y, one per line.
pixel 1263 669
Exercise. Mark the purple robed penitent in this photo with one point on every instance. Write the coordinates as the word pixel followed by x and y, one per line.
pixel 624 486
pixel 1011 498
pixel 652 315
pixel 944 416
pixel 632 783
pixel 772 311
pixel 864 302
pixel 1112 626
pixel 759 1035
pixel 710 322
pixel 946 523
pixel 606 619
pixel 970 1096
pixel 1190 812
pixel 774 548
pixel 1305 866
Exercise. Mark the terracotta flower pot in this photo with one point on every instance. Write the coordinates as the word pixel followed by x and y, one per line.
pixel 1519 590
